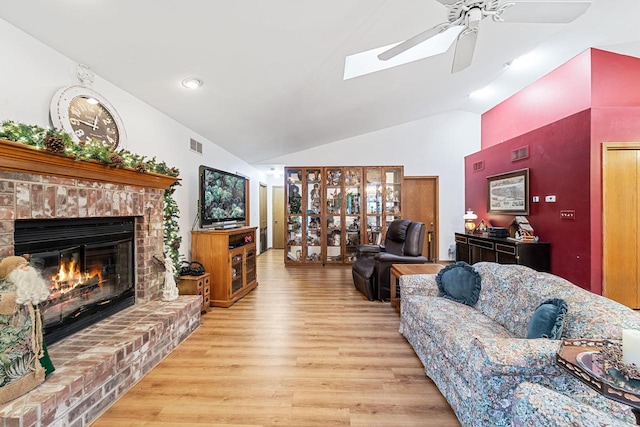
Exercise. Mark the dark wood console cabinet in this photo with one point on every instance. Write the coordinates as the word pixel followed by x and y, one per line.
pixel 472 248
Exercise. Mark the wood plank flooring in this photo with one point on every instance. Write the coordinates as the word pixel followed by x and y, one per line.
pixel 303 349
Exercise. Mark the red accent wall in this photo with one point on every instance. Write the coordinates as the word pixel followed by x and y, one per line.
pixel 558 165
pixel 561 93
pixel 564 118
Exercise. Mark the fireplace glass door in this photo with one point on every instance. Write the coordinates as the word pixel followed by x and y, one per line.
pixel 90 272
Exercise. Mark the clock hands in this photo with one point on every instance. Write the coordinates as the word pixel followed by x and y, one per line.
pixel 93 125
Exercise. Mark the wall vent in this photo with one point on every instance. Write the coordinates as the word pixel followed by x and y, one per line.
pixel 520 153
pixel 195 146
pixel 478 166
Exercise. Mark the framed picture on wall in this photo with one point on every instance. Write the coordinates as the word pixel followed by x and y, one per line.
pixel 508 193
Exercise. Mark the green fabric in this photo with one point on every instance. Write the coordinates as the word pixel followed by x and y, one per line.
pixel 45 360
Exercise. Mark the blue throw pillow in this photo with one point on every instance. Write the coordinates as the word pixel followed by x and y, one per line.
pixel 459 282
pixel 548 320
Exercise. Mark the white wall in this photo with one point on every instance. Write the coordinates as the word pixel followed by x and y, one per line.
pixel 434 146
pixel 31 73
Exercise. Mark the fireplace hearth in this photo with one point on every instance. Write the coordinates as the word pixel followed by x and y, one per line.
pixel 88 264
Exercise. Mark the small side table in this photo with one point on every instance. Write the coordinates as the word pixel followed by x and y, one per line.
pixel 398 270
pixel 603 383
pixel 196 285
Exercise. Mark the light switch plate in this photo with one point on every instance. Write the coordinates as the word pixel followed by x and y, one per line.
pixel 536 199
pixel 568 214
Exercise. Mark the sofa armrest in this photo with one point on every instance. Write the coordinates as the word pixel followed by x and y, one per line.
pixel 535 405
pixel 388 258
pixel 515 356
pixel 418 284
pixel 369 249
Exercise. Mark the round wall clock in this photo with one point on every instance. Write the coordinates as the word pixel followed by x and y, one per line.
pixel 85 114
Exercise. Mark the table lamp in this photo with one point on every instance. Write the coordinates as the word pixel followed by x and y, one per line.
pixel 469 221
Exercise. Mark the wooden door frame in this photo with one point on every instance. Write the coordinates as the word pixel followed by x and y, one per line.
pixel 263 193
pixel 607 147
pixel 273 216
pixel 436 225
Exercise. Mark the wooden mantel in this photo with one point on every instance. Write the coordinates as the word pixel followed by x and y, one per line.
pixel 17 157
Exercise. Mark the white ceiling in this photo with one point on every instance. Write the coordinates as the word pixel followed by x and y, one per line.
pixel 273 68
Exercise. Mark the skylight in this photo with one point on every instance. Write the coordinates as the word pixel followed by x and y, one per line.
pixel 367 62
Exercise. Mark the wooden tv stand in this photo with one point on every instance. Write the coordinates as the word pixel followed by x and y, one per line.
pixel 230 256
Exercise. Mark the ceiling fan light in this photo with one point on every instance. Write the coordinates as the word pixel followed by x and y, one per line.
pixel 192 83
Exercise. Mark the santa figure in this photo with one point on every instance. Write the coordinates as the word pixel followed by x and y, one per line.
pixel 23 356
pixel 30 287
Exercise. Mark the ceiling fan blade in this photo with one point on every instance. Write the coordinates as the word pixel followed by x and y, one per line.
pixel 555 12
pixel 414 41
pixel 465 47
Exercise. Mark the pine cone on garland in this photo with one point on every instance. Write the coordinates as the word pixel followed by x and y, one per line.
pixel 54 143
pixel 175 245
pixel 116 160
pixel 140 167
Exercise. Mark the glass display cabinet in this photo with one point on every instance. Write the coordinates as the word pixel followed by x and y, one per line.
pixel 331 210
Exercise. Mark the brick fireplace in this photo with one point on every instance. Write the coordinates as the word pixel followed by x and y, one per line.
pixel 97 365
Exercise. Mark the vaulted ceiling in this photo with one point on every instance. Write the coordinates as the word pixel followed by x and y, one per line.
pixel 273 68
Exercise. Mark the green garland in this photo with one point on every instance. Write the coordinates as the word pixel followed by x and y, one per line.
pixel 172 239
pixel 57 141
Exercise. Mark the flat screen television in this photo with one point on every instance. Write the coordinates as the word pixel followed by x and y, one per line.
pixel 222 198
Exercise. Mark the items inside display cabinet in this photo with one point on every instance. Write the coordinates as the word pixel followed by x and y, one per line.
pixel 332 210
pixel 294 238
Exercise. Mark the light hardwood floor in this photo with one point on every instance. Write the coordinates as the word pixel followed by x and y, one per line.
pixel 303 349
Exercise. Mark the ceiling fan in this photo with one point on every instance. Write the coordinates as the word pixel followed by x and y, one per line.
pixel 465 17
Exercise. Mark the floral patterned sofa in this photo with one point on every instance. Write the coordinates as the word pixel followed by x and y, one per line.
pixel 478 355
pixel 537 406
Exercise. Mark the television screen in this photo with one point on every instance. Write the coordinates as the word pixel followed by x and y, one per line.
pixel 222 197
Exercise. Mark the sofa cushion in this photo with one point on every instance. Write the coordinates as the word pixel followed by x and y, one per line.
pixel 459 282
pixel 548 319
pixel 452 324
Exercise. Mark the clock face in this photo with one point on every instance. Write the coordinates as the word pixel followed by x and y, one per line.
pixel 85 115
pixel 90 119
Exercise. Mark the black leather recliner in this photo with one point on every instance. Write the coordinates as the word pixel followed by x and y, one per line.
pixel 403 245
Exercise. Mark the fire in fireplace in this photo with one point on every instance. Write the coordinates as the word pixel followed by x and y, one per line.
pixel 89 266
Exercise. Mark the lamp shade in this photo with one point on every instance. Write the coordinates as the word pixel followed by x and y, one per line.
pixel 469 221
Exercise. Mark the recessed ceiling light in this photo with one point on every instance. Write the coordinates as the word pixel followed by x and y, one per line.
pixel 192 83
pixel 92 101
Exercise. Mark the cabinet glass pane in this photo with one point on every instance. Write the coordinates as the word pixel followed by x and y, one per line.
pixel 313 241
pixel 374 230
pixel 393 193
pixel 314 190
pixel 374 191
pixel 334 191
pixel 294 238
pixel 294 191
pixel 236 273
pixel 352 188
pixel 251 265
pixel 334 238
pixel 353 237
